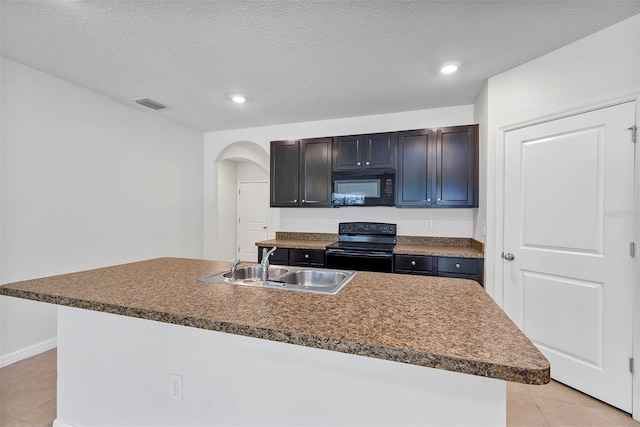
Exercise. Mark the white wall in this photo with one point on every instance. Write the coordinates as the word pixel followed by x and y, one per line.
pixel 598 68
pixel 235 380
pixel 481 116
pixel 446 222
pixel 86 182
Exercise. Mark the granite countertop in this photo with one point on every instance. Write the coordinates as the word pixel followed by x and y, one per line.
pixel 442 323
pixel 407 245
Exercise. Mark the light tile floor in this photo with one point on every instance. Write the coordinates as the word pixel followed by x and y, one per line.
pixel 28 399
pixel 28 392
pixel 555 404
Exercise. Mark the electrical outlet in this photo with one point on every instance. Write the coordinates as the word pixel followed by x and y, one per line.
pixel 175 387
pixel 429 224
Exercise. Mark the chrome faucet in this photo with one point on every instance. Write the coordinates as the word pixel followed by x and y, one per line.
pixel 234 267
pixel 265 262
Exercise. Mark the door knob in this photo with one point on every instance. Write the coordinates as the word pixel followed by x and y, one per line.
pixel 508 256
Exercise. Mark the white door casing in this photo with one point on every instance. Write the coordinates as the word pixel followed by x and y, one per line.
pixel 253 217
pixel 568 183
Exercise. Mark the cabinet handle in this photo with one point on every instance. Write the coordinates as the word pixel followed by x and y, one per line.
pixel 302 201
pixel 439 199
pixel 367 163
pixel 428 200
pixel 359 163
pixel 295 200
pixel 413 263
pixel 457 265
pixel 306 255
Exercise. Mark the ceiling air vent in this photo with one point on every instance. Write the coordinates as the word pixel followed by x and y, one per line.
pixel 150 103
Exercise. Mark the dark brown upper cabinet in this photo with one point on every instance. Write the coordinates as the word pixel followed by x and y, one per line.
pixel 457 166
pixel 415 177
pixel 301 173
pixel 371 151
pixel 284 173
pixel 438 168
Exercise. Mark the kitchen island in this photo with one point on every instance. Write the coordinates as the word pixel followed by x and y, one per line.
pixel 147 344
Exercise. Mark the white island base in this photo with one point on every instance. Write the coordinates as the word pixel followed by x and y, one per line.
pixel 115 371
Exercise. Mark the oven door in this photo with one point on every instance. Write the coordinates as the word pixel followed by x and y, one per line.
pixel 360 260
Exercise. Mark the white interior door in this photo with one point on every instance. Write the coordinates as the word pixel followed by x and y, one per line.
pixel 568 229
pixel 253 218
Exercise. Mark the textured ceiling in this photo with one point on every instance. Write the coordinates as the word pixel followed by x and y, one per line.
pixel 294 60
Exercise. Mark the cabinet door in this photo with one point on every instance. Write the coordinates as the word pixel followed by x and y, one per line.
pixel 315 172
pixel 284 173
pixel 347 153
pixel 457 166
pixel 379 150
pixel 415 174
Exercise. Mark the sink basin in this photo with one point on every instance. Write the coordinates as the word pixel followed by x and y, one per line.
pixel 318 278
pixel 302 279
pixel 249 273
pixel 255 272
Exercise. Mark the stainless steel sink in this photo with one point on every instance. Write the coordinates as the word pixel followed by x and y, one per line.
pixel 255 272
pixel 302 279
pixel 246 275
pixel 315 278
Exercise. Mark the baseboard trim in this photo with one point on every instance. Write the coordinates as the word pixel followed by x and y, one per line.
pixel 24 353
pixel 59 423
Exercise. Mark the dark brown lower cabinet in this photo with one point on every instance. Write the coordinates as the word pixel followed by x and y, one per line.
pixel 280 256
pixel 456 267
pixel 296 257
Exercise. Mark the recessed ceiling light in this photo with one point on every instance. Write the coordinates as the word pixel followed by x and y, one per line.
pixel 238 98
pixel 449 68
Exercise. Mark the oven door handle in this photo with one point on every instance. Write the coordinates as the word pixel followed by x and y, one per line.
pixel 359 254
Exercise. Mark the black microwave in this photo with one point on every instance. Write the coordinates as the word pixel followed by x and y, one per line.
pixel 363 188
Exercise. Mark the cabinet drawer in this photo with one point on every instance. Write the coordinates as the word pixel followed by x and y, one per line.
pixel 457 265
pixel 473 277
pixel 414 263
pixel 306 256
pixel 279 256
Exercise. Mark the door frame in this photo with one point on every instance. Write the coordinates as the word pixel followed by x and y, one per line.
pixel 496 268
pixel 238 184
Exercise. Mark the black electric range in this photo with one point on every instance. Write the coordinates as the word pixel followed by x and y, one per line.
pixel 364 246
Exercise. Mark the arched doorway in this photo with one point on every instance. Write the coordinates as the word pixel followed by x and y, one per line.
pixel 241 164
